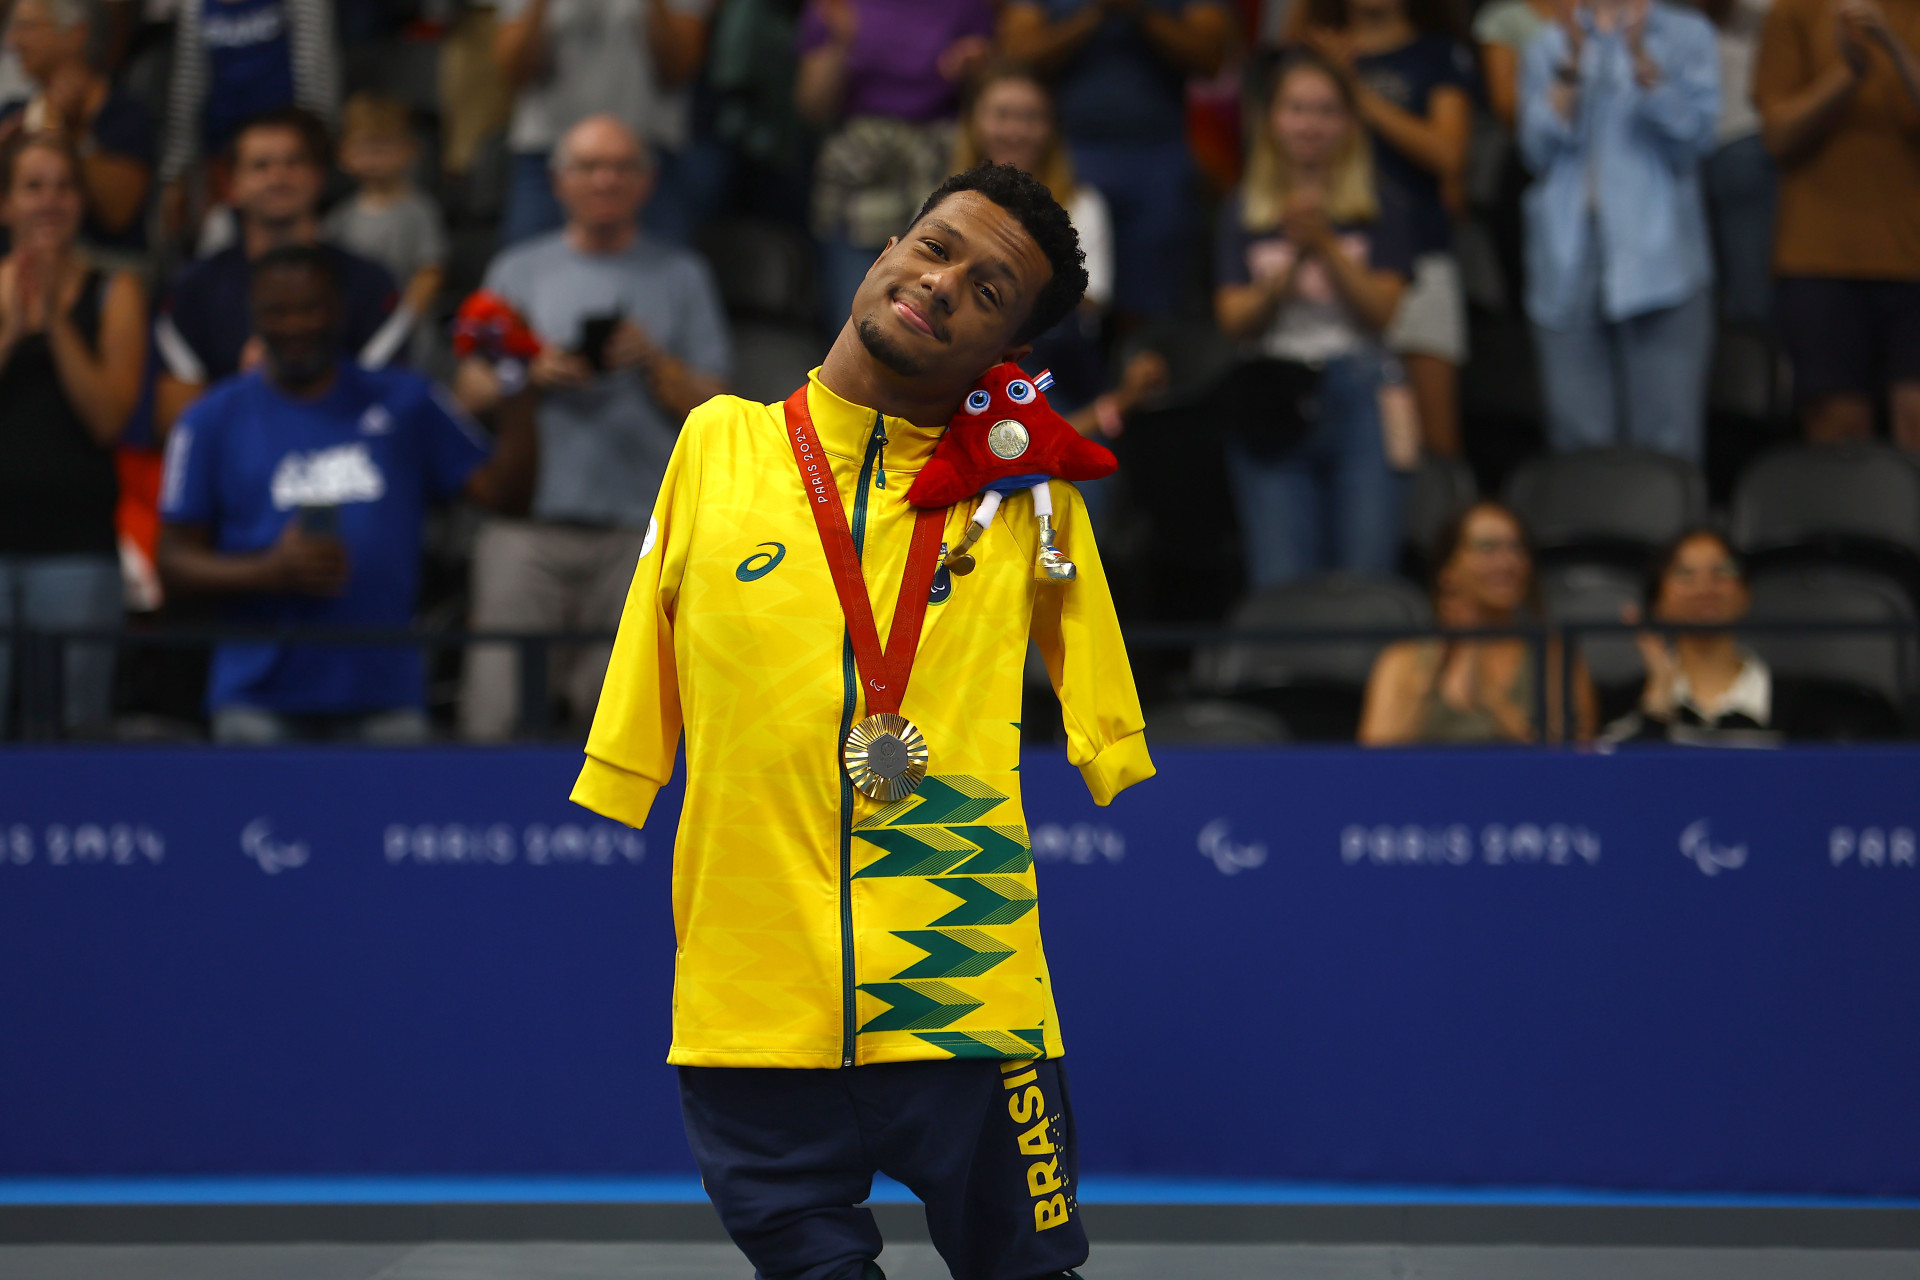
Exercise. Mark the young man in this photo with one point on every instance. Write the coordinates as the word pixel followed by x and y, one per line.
pixel 203 334
pixel 860 984
pixel 298 491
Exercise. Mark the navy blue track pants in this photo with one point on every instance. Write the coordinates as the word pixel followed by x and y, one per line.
pixel 787 1157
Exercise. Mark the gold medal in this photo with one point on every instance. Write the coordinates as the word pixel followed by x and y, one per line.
pixel 885 757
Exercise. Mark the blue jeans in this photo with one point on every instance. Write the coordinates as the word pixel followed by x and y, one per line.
pixel 533 209
pixel 1331 501
pixel 1639 381
pixel 66 592
pixel 1149 191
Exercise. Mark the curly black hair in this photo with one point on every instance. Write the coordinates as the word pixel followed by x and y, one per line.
pixel 1023 196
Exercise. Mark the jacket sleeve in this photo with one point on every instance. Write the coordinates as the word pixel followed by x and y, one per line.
pixel 1543 133
pixel 636 728
pixel 1079 638
pixel 1683 108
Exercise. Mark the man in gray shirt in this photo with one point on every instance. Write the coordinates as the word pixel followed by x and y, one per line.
pixel 632 339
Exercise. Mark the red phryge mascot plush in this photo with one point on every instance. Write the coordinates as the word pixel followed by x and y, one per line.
pixel 1004 439
pixel 487 326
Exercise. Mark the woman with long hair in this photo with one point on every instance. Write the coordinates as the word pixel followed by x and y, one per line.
pixel 1413 86
pixel 1311 264
pixel 1474 690
pixel 72 343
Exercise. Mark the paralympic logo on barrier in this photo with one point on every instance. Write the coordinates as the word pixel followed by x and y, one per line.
pixel 1217 845
pixel 1696 843
pixel 257 842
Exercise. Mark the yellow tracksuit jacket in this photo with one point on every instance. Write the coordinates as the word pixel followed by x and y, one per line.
pixel 816 927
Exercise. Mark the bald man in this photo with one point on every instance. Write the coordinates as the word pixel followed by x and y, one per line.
pixel 632 340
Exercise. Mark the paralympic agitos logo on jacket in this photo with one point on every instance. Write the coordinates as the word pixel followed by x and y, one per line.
pixel 768 556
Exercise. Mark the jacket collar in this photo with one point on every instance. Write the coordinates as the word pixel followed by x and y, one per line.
pixel 845 427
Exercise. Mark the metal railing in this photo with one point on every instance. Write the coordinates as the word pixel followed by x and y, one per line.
pixel 38 655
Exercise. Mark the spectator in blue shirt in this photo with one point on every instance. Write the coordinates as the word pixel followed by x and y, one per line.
pixel 298 491
pixel 1617 109
pixel 1120 69
pixel 204 333
pixel 111 130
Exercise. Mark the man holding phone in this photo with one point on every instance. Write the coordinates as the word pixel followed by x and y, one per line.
pixel 298 491
pixel 633 339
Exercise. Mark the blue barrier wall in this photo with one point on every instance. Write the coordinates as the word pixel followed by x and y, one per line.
pixel 1665 971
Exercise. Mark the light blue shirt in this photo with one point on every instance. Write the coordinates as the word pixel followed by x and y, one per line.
pixel 1627 167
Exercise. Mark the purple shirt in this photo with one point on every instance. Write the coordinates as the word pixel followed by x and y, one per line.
pixel 891 67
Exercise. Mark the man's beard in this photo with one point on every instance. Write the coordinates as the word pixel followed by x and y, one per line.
pixel 883 349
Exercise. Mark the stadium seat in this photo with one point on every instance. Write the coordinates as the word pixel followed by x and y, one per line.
pixel 1865 682
pixel 1598 593
pixel 1612 504
pixel 1438 491
pixel 1857 504
pixel 1315 687
pixel 1212 721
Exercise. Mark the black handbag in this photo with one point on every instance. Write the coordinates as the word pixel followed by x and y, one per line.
pixel 1269 405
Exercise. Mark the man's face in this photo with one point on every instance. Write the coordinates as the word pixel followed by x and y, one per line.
pixel 296 312
pixel 944 301
pixel 43 45
pixel 603 178
pixel 274 179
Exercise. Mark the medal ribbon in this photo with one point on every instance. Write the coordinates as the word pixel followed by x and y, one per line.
pixel 884 675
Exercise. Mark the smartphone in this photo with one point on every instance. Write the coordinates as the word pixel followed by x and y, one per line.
pixel 595 333
pixel 320 522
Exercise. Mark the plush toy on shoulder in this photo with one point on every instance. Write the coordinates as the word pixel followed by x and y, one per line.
pixel 1007 438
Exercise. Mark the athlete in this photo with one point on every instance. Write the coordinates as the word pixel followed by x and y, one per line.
pixel 859 984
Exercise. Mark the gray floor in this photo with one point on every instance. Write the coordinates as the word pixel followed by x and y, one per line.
pixel 918 1262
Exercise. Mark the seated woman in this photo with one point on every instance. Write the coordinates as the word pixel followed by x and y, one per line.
pixel 1483 690
pixel 1311 261
pixel 1702 687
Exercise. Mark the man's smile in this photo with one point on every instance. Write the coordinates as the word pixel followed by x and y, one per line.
pixel 915 317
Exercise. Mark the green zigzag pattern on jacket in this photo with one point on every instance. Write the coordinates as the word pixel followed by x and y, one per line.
pixel 988 1044
pixel 953 953
pixel 942 798
pixel 934 832
pixel 917 1005
pixel 988 900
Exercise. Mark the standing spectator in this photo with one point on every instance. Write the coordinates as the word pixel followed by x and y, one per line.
pixel 633 339
pixel 1009 120
pixel 1478 689
pixel 72 342
pixel 388 220
pixel 1120 69
pixel 1617 108
pixel 1312 262
pixel 1739 175
pixel 1838 87
pixel 298 491
pixel 1415 87
pixel 205 333
pixel 569 59
pixel 234 60
pixel 884 76
pixel 111 131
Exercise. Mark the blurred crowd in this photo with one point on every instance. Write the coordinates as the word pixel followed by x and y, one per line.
pixel 1351 262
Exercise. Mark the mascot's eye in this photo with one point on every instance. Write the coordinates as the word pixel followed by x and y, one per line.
pixel 978 402
pixel 1020 391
